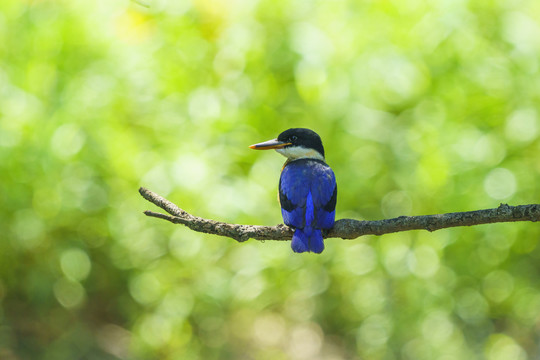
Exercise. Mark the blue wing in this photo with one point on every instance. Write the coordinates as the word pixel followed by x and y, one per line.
pixel 299 179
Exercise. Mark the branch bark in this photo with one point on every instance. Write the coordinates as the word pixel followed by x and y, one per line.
pixel 344 228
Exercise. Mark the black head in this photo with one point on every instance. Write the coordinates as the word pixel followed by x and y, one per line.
pixel 302 137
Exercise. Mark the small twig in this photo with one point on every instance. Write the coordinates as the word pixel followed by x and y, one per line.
pixel 344 228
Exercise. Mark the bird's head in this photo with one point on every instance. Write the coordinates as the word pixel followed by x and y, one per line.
pixel 297 143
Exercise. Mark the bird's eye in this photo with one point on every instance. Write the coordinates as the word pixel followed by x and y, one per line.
pixel 293 138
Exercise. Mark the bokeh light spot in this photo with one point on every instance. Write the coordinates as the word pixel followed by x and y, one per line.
pixel 498 285
pixel 360 259
pixel 29 229
pixel 67 141
pixel 145 288
pixel 75 264
pixel 395 260
pixel 437 327
pixel 396 203
pixel 311 42
pixel 70 294
pixel 522 30
pixel 503 347
pixel 189 170
pixel 115 340
pixel 375 331
pixel 526 306
pixel 522 125
pixel 369 295
pixel 177 303
pixel 204 104
pixel 305 341
pixel 269 329
pixel 471 306
pixel 500 184
pixel 156 330
pixel 423 261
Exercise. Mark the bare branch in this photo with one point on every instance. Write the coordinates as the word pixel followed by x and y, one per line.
pixel 344 228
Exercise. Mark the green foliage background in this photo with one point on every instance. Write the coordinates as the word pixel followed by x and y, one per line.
pixel 423 107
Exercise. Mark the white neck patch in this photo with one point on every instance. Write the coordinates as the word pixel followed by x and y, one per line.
pixel 299 152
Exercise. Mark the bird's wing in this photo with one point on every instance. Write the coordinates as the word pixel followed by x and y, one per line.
pixel 324 192
pixel 293 194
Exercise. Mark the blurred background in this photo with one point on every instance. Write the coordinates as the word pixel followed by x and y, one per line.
pixel 423 107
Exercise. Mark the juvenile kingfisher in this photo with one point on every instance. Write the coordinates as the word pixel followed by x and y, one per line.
pixel 307 187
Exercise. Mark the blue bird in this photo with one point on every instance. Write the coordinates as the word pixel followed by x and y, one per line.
pixel 307 187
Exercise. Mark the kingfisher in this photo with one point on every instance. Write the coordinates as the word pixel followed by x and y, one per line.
pixel 307 187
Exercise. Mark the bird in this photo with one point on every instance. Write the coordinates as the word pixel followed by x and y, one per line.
pixel 307 187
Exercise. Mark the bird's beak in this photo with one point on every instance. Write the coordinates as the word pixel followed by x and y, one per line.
pixel 270 144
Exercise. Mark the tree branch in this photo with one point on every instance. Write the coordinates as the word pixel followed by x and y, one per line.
pixel 344 228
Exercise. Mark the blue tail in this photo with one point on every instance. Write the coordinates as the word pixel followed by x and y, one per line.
pixel 307 239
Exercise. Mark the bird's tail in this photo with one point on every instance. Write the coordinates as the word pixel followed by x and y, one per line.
pixel 307 239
